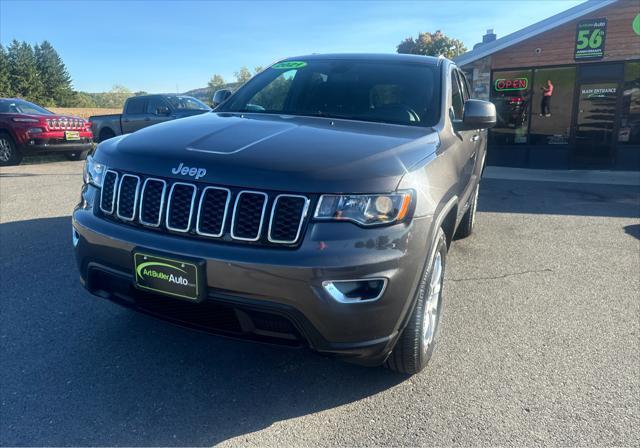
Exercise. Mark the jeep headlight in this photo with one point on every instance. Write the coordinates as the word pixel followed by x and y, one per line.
pixel 93 172
pixel 369 209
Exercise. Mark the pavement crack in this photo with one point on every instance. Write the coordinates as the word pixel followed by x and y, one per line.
pixel 496 277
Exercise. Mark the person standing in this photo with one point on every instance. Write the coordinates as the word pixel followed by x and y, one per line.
pixel 545 104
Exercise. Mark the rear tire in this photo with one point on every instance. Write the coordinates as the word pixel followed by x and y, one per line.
pixel 9 153
pixel 80 155
pixel 416 343
pixel 468 220
pixel 106 134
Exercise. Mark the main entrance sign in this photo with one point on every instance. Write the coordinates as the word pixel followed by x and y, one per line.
pixel 590 37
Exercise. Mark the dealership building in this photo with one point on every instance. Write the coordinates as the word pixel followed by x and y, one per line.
pixel 566 89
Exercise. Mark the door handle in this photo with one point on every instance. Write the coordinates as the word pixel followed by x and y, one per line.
pixel 126 120
pixel 147 119
pixel 475 138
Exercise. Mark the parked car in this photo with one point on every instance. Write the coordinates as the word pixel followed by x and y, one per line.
pixel 512 111
pixel 314 207
pixel 145 110
pixel 27 129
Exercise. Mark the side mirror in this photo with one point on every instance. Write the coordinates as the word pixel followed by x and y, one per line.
pixel 221 96
pixel 163 110
pixel 478 114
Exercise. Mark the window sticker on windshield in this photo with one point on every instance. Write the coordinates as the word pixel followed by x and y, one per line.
pixel 287 65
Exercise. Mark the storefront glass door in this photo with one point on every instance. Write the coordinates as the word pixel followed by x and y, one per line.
pixel 595 123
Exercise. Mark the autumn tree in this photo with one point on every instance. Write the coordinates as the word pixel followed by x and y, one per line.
pixel 432 44
pixel 243 75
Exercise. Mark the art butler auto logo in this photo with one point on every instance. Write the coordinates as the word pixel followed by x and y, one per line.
pixel 590 38
pixel 150 270
pixel 167 276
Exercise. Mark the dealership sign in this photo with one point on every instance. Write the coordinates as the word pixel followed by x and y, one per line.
pixel 590 37
pixel 503 84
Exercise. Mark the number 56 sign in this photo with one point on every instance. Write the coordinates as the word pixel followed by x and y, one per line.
pixel 590 36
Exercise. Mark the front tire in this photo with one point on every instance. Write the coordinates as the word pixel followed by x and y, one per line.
pixel 9 153
pixel 467 222
pixel 416 343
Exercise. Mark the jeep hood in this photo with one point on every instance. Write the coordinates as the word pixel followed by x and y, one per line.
pixel 275 152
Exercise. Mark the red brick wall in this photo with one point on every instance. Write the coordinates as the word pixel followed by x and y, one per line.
pixel 557 45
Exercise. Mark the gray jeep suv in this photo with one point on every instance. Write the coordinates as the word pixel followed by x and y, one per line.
pixel 313 207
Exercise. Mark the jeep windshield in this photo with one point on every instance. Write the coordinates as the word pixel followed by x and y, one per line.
pixel 22 107
pixel 389 92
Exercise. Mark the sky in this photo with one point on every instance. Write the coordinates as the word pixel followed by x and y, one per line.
pixel 175 46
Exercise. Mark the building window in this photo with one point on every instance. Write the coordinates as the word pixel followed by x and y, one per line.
pixel 629 130
pixel 551 105
pixel 511 93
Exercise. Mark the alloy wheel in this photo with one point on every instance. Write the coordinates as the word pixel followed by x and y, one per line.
pixel 432 302
pixel 5 149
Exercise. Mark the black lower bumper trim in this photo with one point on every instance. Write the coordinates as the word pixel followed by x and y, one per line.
pixel 210 315
pixel 38 146
pixel 231 316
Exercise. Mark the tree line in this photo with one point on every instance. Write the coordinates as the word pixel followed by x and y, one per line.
pixel 425 44
pixel 38 73
pixel 243 75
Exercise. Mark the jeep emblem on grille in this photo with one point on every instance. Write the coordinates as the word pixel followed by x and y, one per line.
pixel 194 172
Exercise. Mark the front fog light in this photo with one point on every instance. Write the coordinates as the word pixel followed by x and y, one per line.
pixel 93 172
pixel 75 238
pixel 355 291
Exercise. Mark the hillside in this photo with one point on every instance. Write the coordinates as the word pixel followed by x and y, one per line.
pixel 204 94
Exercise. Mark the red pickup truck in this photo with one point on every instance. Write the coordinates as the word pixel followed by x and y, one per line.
pixel 26 128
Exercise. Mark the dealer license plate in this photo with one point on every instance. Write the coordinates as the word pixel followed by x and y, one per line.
pixel 170 276
pixel 72 135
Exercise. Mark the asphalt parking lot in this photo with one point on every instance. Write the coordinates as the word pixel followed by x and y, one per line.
pixel 539 344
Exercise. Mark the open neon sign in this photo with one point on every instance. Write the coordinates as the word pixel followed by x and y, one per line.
pixel 511 84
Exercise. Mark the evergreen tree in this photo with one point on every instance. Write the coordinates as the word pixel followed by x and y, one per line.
pixel 23 72
pixel 57 90
pixel 5 87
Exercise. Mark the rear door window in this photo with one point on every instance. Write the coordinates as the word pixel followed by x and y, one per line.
pixel 136 106
pixel 154 103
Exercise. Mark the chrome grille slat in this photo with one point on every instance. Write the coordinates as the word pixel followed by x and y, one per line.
pixel 235 222
pixel 223 220
pixel 301 217
pixel 144 205
pixel 203 211
pixel 169 215
pixel 136 193
pixel 106 186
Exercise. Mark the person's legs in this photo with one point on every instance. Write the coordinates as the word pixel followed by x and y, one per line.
pixel 548 106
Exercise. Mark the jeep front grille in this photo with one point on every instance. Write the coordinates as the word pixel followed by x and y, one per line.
pixel 206 211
